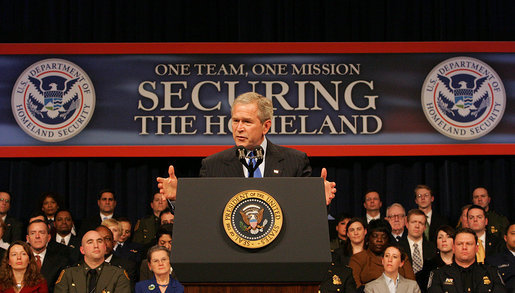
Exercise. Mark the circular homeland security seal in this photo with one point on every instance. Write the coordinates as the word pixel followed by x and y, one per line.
pixel 53 100
pixel 252 219
pixel 463 98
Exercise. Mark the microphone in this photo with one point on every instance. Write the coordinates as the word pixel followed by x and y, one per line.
pixel 240 151
pixel 258 153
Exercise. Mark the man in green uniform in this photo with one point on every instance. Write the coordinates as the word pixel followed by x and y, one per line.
pixel 497 223
pixel 93 275
pixel 465 274
pixel 146 228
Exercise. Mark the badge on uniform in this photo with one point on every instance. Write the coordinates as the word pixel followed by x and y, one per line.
pixel 493 229
pixel 449 281
pixel 486 281
pixel 336 280
pixel 151 287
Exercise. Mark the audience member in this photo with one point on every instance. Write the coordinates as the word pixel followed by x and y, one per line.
pixel 116 229
pixel 164 238
pixel 63 228
pixel 497 223
pixel 166 217
pixel 465 274
pixel 424 199
pixel 126 248
pixel 356 231
pixel 505 260
pixel 51 257
pixel 372 204
pixel 49 205
pixel 2 231
pixel 396 216
pixel 341 230
pixel 106 204
pixel 391 280
pixel 444 242
pixel 14 230
pixel 367 265
pixel 146 228
pixel 488 243
pixel 419 249
pixel 19 271
pixel 338 279
pixel 93 274
pixel 128 265
pixel 463 221
pixel 158 259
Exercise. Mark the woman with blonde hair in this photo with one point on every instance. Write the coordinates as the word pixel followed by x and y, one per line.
pixel 19 272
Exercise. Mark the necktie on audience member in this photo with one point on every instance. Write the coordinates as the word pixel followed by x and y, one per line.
pixel 480 255
pixel 417 259
pixel 92 280
pixel 38 261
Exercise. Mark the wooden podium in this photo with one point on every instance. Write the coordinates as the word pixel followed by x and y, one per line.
pixel 206 259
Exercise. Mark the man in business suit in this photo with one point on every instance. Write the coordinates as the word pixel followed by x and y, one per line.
pixel 488 243
pixel 424 199
pixel 51 257
pixel 419 250
pixel 14 228
pixel 251 121
pixel 106 204
pixel 396 216
pixel 92 274
pixel 63 227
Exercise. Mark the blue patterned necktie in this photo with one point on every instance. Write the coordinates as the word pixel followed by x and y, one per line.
pixel 252 163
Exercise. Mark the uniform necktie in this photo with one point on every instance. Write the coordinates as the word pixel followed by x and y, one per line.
pixel 92 280
pixel 38 261
pixel 480 255
pixel 252 163
pixel 417 259
pixel 63 242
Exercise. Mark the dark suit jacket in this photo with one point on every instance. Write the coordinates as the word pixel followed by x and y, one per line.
pixel 279 162
pixel 14 230
pixel 73 248
pixel 428 253
pixel 494 244
pixel 437 220
pixel 130 250
pixel 91 223
pixel 56 259
pixel 128 265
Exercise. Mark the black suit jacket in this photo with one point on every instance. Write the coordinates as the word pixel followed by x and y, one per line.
pixel 494 244
pixel 131 251
pixel 279 162
pixel 128 265
pixel 56 259
pixel 92 223
pixel 437 220
pixel 14 230
pixel 73 248
pixel 428 253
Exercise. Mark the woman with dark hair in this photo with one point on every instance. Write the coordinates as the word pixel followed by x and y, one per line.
pixel 158 258
pixel 49 204
pixel 367 265
pixel 444 242
pixel 19 272
pixel 393 259
pixel 356 231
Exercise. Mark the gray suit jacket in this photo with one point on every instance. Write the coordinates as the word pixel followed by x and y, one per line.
pixel 379 286
pixel 279 162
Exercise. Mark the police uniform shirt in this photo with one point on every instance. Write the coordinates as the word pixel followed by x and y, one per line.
pixel 63 240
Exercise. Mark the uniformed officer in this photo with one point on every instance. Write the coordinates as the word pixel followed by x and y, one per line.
pixel 465 274
pixel 146 228
pixel 497 223
pixel 338 279
pixel 93 275
pixel 505 261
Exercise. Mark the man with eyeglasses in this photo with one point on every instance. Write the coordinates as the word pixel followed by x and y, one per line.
pixel 424 199
pixel 14 228
pixel 488 243
pixel 396 216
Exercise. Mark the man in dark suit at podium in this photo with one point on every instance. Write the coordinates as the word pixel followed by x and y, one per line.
pixel 251 120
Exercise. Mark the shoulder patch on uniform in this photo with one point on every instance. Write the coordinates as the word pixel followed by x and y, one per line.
pixel 60 277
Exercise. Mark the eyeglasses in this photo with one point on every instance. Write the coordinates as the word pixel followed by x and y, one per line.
pixel 5 200
pixel 396 216
pixel 425 195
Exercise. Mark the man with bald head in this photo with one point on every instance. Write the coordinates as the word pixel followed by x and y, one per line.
pixel 93 274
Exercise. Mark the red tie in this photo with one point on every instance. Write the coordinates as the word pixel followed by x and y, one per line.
pixel 38 261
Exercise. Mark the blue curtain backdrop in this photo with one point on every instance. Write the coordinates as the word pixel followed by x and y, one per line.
pixel 79 180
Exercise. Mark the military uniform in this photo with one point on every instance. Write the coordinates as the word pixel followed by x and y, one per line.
pixel 146 229
pixel 497 223
pixel 337 243
pixel 476 278
pixel 338 279
pixel 111 279
pixel 505 263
